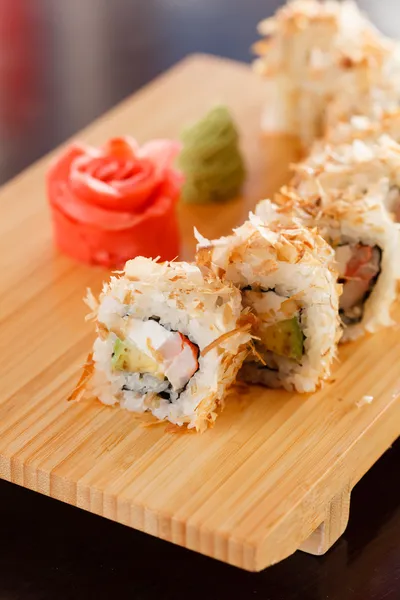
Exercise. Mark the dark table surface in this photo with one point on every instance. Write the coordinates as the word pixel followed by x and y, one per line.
pixel 62 64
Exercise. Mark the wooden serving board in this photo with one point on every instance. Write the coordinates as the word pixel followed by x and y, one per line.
pixel 276 472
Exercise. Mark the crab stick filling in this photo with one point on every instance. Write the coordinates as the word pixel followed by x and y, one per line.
pixel 359 267
pixel 151 348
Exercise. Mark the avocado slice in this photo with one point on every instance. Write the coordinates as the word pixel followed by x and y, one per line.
pixel 119 355
pixel 285 339
pixel 126 357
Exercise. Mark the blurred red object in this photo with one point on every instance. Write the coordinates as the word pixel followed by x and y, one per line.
pixel 17 62
pixel 117 202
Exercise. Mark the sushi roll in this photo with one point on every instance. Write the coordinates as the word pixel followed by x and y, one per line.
pixel 169 340
pixel 356 167
pixel 286 277
pixel 313 52
pixel 366 245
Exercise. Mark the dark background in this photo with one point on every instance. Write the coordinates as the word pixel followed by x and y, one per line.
pixel 62 64
pixel 65 62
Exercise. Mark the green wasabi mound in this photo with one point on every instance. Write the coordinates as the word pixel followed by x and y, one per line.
pixel 210 160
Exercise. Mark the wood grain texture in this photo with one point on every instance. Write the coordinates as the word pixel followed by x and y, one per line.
pixel 276 467
pixel 335 522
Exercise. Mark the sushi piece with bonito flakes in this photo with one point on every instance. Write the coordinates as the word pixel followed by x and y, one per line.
pixel 170 340
pixel 286 276
pixel 312 52
pixel 366 244
pixel 358 166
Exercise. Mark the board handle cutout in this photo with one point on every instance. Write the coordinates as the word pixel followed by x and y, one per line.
pixel 333 526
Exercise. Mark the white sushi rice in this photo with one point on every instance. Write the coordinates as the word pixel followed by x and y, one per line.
pixel 204 310
pixel 364 128
pixel 276 253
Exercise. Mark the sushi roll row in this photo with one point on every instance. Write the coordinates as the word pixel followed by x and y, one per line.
pixel 269 303
pixel 260 305
pixel 345 93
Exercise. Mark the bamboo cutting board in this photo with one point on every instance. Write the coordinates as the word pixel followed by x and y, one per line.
pixel 276 472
